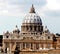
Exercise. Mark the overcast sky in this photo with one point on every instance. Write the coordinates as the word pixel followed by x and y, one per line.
pixel 12 13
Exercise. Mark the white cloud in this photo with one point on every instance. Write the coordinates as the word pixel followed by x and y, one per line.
pixel 9 9
pixel 53 4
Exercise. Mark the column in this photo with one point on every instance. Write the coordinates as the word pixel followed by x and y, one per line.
pixel 30 45
pixel 4 47
pixel 57 45
pixel 21 28
pixel 37 28
pixel 25 28
pixel 20 46
pixel 33 46
pixel 51 46
pixel 47 46
pixel 40 46
pixel 44 46
pixel 10 47
pixel 15 43
pixel 29 28
pixel 25 45
pixel 33 28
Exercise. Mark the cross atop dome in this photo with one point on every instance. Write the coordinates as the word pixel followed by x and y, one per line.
pixel 32 10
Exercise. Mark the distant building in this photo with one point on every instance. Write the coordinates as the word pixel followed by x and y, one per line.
pixel 33 37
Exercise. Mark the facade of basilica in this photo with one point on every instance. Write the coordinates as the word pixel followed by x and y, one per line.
pixel 33 37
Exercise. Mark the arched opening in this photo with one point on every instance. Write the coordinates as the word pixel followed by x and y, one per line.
pixel 37 46
pixel 30 28
pixel 34 28
pixel 16 50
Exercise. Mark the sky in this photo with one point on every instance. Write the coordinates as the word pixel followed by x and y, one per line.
pixel 12 13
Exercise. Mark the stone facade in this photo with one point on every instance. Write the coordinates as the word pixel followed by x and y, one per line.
pixel 33 37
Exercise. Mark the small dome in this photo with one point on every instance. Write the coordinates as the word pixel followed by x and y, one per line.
pixel 16 29
pixel 46 29
pixel 7 32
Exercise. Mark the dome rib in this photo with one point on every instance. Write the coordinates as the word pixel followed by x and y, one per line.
pixel 32 18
